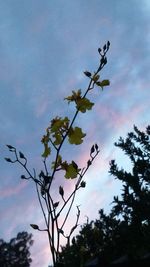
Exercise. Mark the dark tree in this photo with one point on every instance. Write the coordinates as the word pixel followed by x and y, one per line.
pixel 16 252
pixel 95 239
pixel 126 230
pixel 134 204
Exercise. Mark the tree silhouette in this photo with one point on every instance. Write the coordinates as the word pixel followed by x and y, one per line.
pixel 16 252
pixel 134 204
pixel 56 207
pixel 126 230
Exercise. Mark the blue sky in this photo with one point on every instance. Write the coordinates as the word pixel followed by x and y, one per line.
pixel 44 48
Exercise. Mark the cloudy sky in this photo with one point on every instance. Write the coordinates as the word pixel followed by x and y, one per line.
pixel 44 48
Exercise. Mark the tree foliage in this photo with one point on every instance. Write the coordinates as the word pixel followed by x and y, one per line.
pixel 126 230
pixel 59 131
pixel 16 252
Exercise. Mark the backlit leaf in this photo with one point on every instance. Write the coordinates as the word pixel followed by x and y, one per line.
pixel 47 151
pixel 76 95
pixel 84 104
pixel 103 83
pixel 58 138
pixel 71 172
pixel 58 163
pixel 75 136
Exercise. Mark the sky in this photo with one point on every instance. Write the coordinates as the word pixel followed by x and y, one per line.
pixel 45 46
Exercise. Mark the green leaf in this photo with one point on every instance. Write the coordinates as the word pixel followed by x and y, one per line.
pixel 75 136
pixel 71 169
pixel 58 138
pixel 58 163
pixel 59 123
pixel 47 151
pixel 84 104
pixel 103 83
pixel 74 97
pixel 71 172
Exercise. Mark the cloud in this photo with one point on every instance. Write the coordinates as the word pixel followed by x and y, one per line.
pixel 10 191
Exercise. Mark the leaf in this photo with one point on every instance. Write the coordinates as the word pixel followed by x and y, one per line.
pixel 103 83
pixel 21 155
pixel 95 77
pixel 8 160
pixel 83 184
pixel 58 163
pixel 11 148
pixel 104 47
pixel 108 45
pixel 104 60
pixel 56 204
pixel 87 73
pixel 56 124
pixel 71 172
pixel 84 104
pixel 23 177
pixel 43 192
pixel 58 138
pixel 61 191
pixel 47 151
pixel 41 175
pixel 96 147
pixel 75 136
pixel 34 226
pixel 92 150
pixel 71 169
pixel 59 126
pixel 74 97
pixel 99 50
pixel 89 163
pixel 74 165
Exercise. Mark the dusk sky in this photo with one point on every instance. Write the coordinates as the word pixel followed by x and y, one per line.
pixel 45 46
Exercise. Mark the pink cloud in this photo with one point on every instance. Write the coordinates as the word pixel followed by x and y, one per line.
pixel 10 191
pixel 117 119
